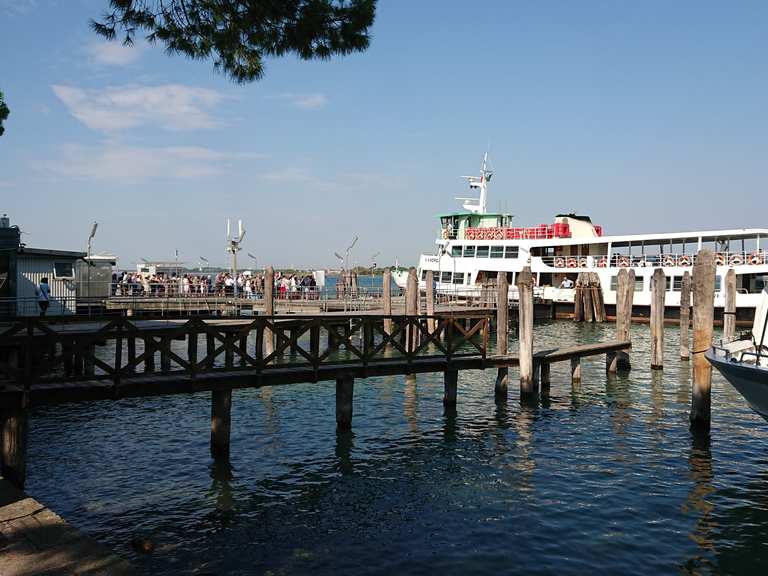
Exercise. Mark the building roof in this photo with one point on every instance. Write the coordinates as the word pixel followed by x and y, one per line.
pixel 45 253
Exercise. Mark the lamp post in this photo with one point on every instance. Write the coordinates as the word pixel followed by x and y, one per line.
pixel 89 263
pixel 233 247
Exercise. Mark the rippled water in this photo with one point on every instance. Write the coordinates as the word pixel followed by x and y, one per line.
pixel 605 478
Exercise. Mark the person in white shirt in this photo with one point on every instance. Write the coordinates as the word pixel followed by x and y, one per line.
pixel 566 283
pixel 43 293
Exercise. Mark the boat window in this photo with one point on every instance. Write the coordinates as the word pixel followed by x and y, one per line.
pixel 445 278
pixel 482 251
pixel 511 252
pixel 718 283
pixel 456 251
pixel 423 275
pixel 458 277
pixel 639 283
pixel 497 251
pixel 676 284
pixel 614 282
pixel 469 251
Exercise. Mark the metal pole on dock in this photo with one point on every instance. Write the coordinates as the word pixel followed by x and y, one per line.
pixel 685 315
pixel 525 323
pixel 344 393
pixel 729 313
pixel 703 317
pixel 269 308
pixel 502 332
pixel 386 294
pixel 658 291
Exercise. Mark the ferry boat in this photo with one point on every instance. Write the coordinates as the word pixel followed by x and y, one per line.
pixel 474 245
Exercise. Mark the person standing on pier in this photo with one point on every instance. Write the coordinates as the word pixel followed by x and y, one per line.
pixel 43 293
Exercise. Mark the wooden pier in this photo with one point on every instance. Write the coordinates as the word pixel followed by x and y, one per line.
pixel 56 360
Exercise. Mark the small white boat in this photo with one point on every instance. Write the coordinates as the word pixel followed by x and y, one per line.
pixel 744 361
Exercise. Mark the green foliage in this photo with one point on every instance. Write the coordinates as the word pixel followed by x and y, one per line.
pixel 239 34
pixel 4 111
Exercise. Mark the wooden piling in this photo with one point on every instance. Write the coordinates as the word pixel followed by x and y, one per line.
pixel 597 297
pixel 191 350
pixel 658 292
pixel 625 288
pixel 703 318
pixel 502 332
pixel 221 423
pixel 578 299
pixel 269 308
pixel 165 358
pixel 450 382
pixel 411 307
pixel 89 366
pixel 586 292
pixel 131 340
pixel 729 313
pixel 429 282
pixel 525 324
pixel 685 315
pixel 575 370
pixel 14 430
pixel 386 293
pixel 344 392
pixel 149 358
pixel 545 374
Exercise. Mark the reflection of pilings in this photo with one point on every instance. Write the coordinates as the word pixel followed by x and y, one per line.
pixel 410 403
pixel 344 446
pixel 697 503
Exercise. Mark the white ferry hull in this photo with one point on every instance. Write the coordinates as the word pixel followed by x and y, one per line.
pixel 749 380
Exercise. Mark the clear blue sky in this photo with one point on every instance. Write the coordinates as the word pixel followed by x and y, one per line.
pixel 649 116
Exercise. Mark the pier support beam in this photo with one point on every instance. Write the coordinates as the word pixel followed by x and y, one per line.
pixel 345 384
pixel 575 370
pixel 411 308
pixel 525 323
pixel 14 428
pixel 625 290
pixel 685 315
pixel 703 317
pixel 502 333
pixel 386 296
pixel 729 313
pixel 451 382
pixel 658 291
pixel 269 308
pixel 429 282
pixel 545 378
pixel 221 423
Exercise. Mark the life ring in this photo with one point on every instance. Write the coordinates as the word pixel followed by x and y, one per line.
pixel 498 234
pixel 602 263
pixel 685 261
pixel 624 261
pixel 669 261
pixel 559 262
pixel 445 233
pixel 479 234
pixel 735 260
pixel 582 262
pixel 720 259
pixel 571 263
pixel 756 258
pixel 469 234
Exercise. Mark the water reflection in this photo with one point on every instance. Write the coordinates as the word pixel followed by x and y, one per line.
pixel 697 503
pixel 525 464
pixel 410 403
pixel 344 445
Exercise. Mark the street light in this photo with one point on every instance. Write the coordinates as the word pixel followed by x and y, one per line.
pixel 89 263
pixel 201 260
pixel 373 266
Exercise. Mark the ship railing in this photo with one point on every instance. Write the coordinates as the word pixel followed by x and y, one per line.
pixel 682 260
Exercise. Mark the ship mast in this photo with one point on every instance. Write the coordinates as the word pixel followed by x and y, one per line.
pixel 478 205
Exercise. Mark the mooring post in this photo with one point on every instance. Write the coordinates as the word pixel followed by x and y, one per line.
pixel 575 370
pixel 221 423
pixel 450 382
pixel 131 340
pixel 729 313
pixel 685 315
pixel 165 358
pixel 545 378
pixel 429 282
pixel 587 295
pixel 149 355
pixel 578 299
pixel 625 287
pixel 502 332
pixel 597 297
pixel 14 429
pixel 411 308
pixel 386 296
pixel 525 324
pixel 89 366
pixel 703 317
pixel 344 392
pixel 269 308
pixel 658 292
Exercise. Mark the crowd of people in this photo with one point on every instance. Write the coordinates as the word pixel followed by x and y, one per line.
pixel 287 286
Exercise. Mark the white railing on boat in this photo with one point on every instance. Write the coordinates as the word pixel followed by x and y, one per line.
pixel 755 258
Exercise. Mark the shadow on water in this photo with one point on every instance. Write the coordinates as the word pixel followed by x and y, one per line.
pixel 698 503
pixel 345 442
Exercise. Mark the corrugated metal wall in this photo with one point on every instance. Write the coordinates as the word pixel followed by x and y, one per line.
pixel 30 270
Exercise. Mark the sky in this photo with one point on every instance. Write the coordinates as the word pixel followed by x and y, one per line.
pixel 648 116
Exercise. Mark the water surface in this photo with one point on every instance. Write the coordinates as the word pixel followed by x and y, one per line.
pixel 603 478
